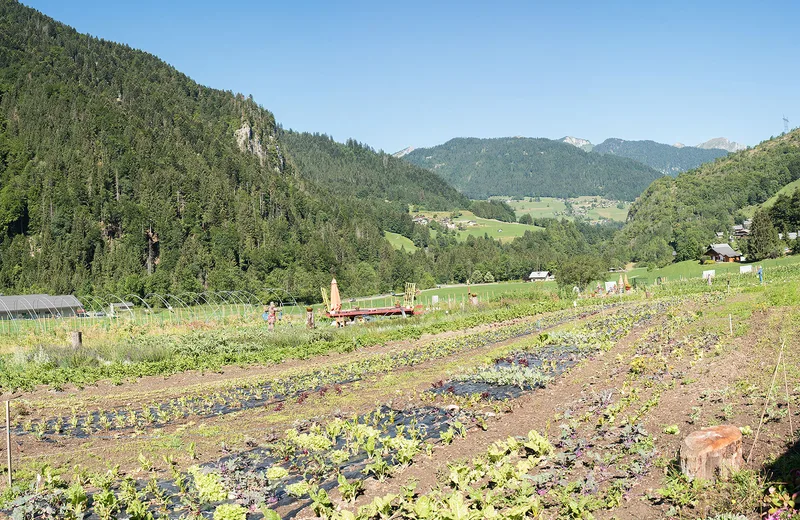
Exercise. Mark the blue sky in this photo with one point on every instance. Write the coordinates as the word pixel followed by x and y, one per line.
pixel 419 73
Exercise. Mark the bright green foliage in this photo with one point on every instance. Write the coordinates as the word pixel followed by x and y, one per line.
pixel 276 473
pixel 230 512
pixel 350 490
pixel 785 212
pixel 269 514
pixel 137 510
pixel 579 271
pixel 536 444
pixel 208 485
pixel 77 500
pixel 763 241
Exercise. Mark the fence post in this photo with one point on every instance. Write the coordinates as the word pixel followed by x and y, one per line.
pixel 76 338
pixel 8 443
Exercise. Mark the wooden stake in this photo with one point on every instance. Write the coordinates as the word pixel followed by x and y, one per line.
pixel 8 443
pixel 788 400
pixel 766 403
pixel 730 323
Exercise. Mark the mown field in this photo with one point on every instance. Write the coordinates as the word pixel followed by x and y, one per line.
pixel 694 269
pixel 503 231
pixel 549 207
pixel 526 406
pixel 398 241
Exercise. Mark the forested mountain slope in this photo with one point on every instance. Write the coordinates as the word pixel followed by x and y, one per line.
pixel 120 174
pixel 354 169
pixel 514 166
pixel 684 213
pixel 669 160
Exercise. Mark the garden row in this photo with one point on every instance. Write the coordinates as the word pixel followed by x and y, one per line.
pixel 272 392
pixel 141 353
pixel 600 452
pixel 312 459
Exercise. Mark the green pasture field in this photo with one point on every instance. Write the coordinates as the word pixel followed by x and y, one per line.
pixel 503 231
pixel 398 241
pixel 694 269
pixel 455 294
pixel 547 207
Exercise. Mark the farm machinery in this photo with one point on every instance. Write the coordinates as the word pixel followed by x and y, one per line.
pixel 333 306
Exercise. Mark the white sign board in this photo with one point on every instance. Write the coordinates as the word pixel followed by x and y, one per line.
pixel 709 274
pixel 435 299
pixel 745 269
pixel 611 286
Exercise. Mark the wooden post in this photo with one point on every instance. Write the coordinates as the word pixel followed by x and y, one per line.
pixel 8 443
pixel 76 339
pixel 730 323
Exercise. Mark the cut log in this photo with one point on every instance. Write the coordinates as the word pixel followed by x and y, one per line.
pixel 712 452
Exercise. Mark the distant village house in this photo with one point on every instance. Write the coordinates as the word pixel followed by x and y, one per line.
pixel 540 276
pixel 723 253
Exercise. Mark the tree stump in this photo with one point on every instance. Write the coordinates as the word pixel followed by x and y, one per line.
pixel 76 339
pixel 711 452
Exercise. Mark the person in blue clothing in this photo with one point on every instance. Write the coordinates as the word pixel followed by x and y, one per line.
pixel 760 274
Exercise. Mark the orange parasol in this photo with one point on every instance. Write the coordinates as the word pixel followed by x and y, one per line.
pixel 336 300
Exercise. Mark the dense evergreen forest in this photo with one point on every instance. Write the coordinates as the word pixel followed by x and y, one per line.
pixel 355 170
pixel 669 160
pixel 684 213
pixel 120 174
pixel 785 212
pixel 525 167
pixel 495 209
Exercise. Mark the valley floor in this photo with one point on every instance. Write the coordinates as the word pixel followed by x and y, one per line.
pixel 577 413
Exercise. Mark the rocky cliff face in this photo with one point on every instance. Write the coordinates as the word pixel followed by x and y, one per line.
pixel 404 151
pixel 248 141
pixel 583 144
pixel 722 143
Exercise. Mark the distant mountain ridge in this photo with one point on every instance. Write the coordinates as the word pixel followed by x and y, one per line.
pixel 353 169
pixel 669 160
pixel 522 166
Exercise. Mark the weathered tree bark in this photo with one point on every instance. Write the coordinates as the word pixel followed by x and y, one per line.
pixel 712 452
